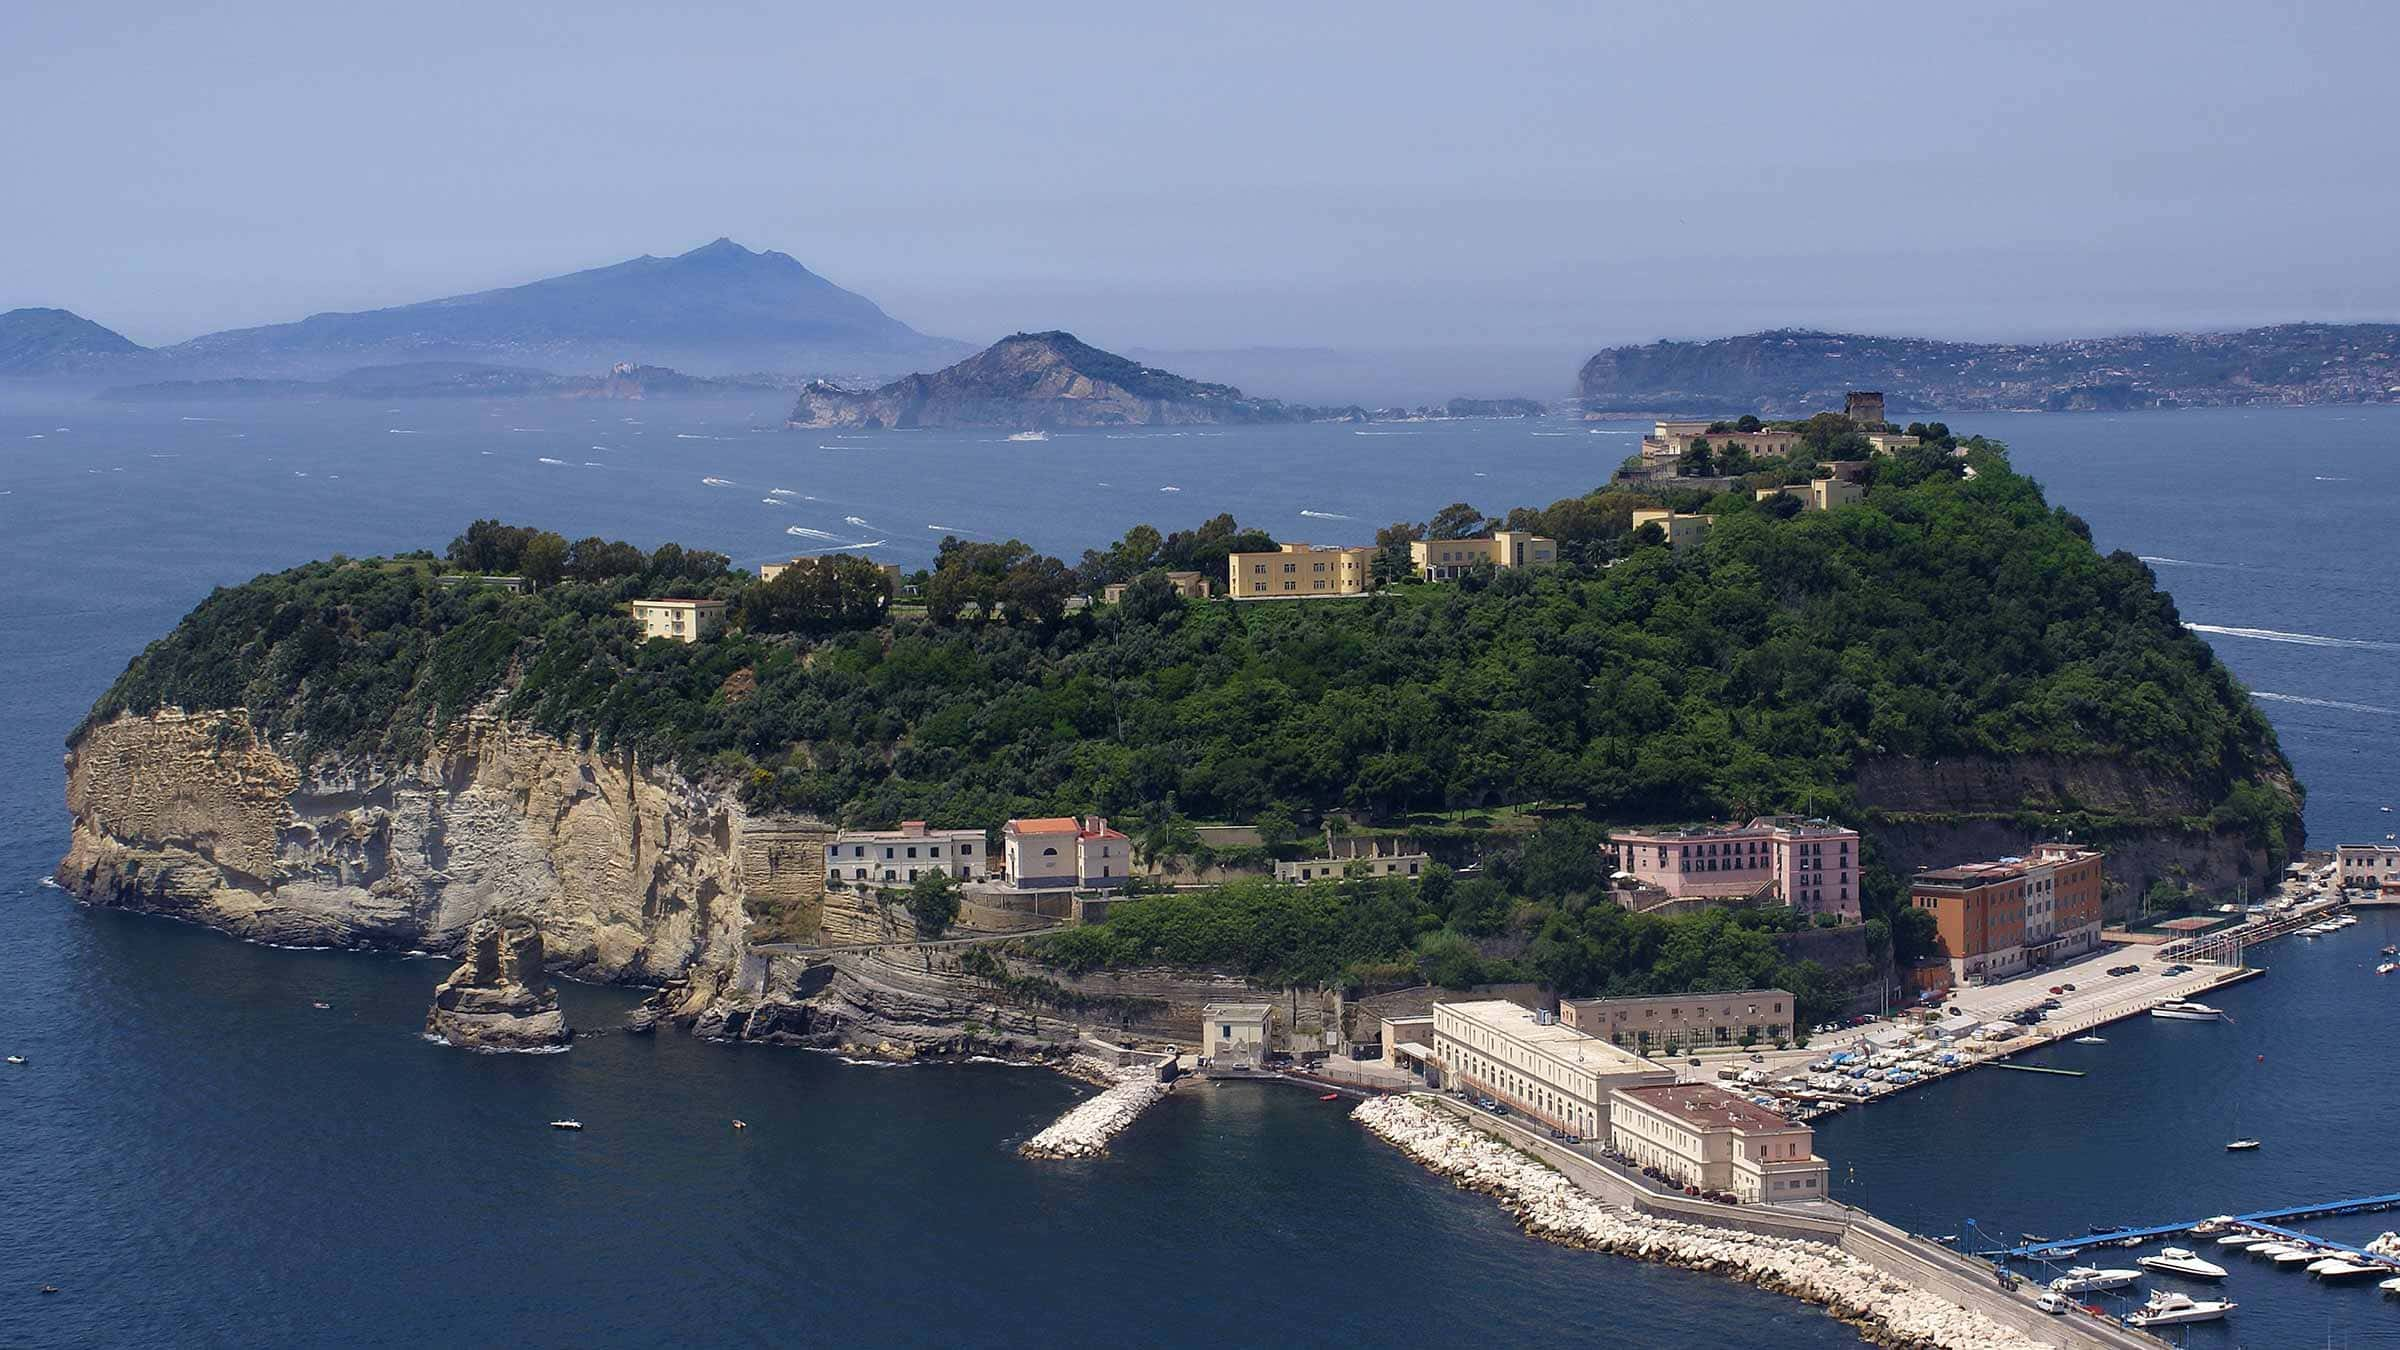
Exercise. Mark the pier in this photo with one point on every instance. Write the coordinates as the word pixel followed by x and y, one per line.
pixel 2036 1068
pixel 2268 1221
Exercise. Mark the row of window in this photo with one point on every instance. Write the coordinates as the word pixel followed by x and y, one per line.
pixel 931 850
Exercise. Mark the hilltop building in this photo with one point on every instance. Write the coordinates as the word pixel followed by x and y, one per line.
pixel 678 620
pixel 1810 865
pixel 1701 1135
pixel 1189 585
pixel 1443 559
pixel 1673 436
pixel 1298 571
pixel 1819 494
pixel 891 572
pixel 513 585
pixel 2011 915
pixel 1682 531
pixel 1863 406
pixel 1676 1023
pixel 1534 1063
pixel 1064 853
pixel 900 856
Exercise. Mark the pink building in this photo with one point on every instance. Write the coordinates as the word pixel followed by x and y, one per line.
pixel 1811 865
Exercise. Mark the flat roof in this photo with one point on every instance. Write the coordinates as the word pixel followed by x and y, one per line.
pixel 1635 1000
pixel 1516 1021
pixel 1708 1107
pixel 1238 1012
pixel 679 603
pixel 1970 874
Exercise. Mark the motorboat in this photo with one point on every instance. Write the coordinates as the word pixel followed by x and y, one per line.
pixel 2182 1261
pixel 16 1059
pixel 2091 1040
pixel 2390 1286
pixel 566 1124
pixel 2185 1011
pixel 2084 1279
pixel 2386 1244
pixel 2240 1145
pixel 2298 1255
pixel 2240 1242
pixel 2273 1248
pixel 2391 951
pixel 2341 1267
pixel 1029 435
pixel 2166 1309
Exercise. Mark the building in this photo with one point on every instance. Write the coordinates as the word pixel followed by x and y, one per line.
pixel 1701 1135
pixel 1672 1024
pixel 1863 406
pixel 2366 866
pixel 1819 494
pixel 1408 1044
pixel 513 585
pixel 2004 917
pixel 891 572
pixel 1298 571
pixel 1682 531
pixel 1189 585
pixel 1671 437
pixel 874 857
pixel 1063 853
pixel 1890 442
pixel 1810 865
pixel 1442 559
pixel 1368 855
pixel 679 620
pixel 1535 1064
pixel 1237 1035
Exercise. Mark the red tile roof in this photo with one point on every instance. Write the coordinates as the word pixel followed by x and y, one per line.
pixel 1046 825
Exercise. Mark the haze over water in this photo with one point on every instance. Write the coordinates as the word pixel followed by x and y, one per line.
pixel 197 1156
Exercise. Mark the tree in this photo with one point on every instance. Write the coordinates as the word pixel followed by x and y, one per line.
pixel 1392 561
pixel 1276 827
pixel 490 547
pixel 1455 521
pixel 1151 598
pixel 933 902
pixel 1695 461
pixel 543 561
pixel 818 595
pixel 1746 423
pixel 594 560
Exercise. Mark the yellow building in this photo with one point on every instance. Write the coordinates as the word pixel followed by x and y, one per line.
pixel 1889 442
pixel 1442 559
pixel 1189 585
pixel 681 620
pixel 891 573
pixel 1672 436
pixel 1297 571
pixel 1819 494
pixel 1682 531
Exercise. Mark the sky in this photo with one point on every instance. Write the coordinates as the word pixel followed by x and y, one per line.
pixel 1361 177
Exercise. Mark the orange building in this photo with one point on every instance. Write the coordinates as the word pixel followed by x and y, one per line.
pixel 2002 918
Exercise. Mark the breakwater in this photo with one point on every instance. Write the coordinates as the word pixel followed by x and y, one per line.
pixel 1084 1131
pixel 1886 1308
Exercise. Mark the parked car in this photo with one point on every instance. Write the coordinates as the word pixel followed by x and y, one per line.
pixel 2058 989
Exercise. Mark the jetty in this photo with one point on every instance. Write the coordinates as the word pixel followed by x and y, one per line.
pixel 2265 1220
pixel 1086 1128
pixel 2037 1068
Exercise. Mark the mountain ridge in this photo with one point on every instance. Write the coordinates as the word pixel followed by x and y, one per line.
pixel 36 340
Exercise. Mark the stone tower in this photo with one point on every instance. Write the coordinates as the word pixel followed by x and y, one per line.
pixel 1863 406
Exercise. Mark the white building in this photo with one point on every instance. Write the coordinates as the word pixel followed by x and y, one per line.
pixel 1701 1135
pixel 1535 1064
pixel 1064 853
pixel 678 620
pixel 2367 866
pixel 1236 1035
pixel 874 857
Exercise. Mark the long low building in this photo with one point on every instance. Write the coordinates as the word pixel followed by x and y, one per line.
pixel 1535 1064
pixel 2367 866
pixel 1701 1135
pixel 1673 1023
pixel 875 857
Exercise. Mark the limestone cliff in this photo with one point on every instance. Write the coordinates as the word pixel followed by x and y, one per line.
pixel 630 871
pixel 500 997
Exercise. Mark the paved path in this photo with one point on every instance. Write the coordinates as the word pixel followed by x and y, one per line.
pixel 899 944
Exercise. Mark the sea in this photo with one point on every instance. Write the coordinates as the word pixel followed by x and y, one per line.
pixel 196 1154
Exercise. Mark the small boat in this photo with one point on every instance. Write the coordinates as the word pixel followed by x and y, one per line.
pixel 2390 1286
pixel 320 1007
pixel 566 1124
pixel 2240 1241
pixel 741 1124
pixel 2091 1040
pixel 2387 967
pixel 49 1288
pixel 2166 1309
pixel 16 1059
pixel 2344 1268
pixel 2185 1011
pixel 2181 1261
pixel 2301 1256
pixel 2240 1145
pixel 2391 951
pixel 1330 1097
pixel 1029 435
pixel 2084 1279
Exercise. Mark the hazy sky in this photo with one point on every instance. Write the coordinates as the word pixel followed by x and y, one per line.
pixel 1226 174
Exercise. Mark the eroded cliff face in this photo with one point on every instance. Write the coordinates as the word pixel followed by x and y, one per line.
pixel 631 872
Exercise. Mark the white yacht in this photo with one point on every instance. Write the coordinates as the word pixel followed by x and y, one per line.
pixel 2385 1244
pixel 2091 1040
pixel 2298 1255
pixel 1029 435
pixel 2242 1145
pixel 2243 1241
pixel 566 1124
pixel 2084 1279
pixel 2166 1308
pixel 2188 1012
pixel 2181 1261
pixel 2342 1267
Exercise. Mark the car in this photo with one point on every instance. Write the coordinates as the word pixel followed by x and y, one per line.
pixel 2068 987
pixel 2058 989
pixel 1757 1058
pixel 1695 1061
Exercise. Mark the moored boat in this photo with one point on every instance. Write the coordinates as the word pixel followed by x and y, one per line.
pixel 2084 1279
pixel 2187 1011
pixel 2166 1309
pixel 2298 1255
pixel 2340 1267
pixel 2182 1261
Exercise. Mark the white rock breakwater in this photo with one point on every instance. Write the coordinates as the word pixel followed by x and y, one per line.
pixel 1084 1132
pixel 1550 1206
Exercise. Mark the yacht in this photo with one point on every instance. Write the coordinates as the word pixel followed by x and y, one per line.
pixel 2166 1308
pixel 2240 1241
pixel 1029 435
pixel 2390 1286
pixel 2298 1255
pixel 2386 1244
pixel 2084 1279
pixel 2188 1012
pixel 2240 1145
pixel 566 1124
pixel 2181 1261
pixel 2345 1268
pixel 2387 967
pixel 2091 1040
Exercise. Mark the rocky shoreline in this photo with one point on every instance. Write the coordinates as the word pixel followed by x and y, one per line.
pixel 1888 1310
pixel 1084 1131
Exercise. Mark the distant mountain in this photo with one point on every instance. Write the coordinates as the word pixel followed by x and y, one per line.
pixel 720 308
pixel 1799 371
pixel 41 341
pixel 1041 380
pixel 444 379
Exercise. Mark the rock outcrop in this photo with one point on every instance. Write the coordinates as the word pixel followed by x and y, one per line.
pixel 500 997
pixel 630 871
pixel 1036 380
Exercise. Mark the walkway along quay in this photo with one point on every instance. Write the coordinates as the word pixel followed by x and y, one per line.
pixel 1904 1290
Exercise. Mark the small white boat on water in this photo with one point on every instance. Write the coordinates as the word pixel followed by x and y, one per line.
pixel 2091 1040
pixel 2181 1261
pixel 2185 1011
pixel 2344 1268
pixel 2240 1241
pixel 2387 967
pixel 566 1124
pixel 16 1059
pixel 2243 1145
pixel 2084 1279
pixel 2167 1309
pixel 1029 435
pixel 2390 1286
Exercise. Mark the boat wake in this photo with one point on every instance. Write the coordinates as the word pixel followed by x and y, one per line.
pixel 717 482
pixel 559 462
pixel 2303 639
pixel 804 532
pixel 1326 515
pixel 2307 702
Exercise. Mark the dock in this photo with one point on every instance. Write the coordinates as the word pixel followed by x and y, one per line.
pixel 2037 1068
pixel 2269 1221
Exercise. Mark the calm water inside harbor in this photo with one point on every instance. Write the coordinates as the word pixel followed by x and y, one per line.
pixel 198 1156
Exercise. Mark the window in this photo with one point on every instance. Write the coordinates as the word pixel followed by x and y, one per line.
pixel 1049 853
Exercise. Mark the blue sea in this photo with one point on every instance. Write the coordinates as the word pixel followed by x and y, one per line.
pixel 195 1155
